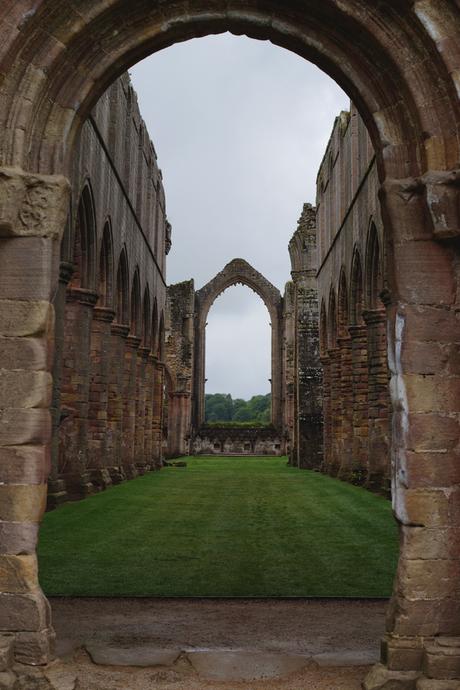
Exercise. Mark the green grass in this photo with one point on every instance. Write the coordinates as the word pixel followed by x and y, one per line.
pixel 238 526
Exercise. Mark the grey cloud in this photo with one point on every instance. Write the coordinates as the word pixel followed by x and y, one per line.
pixel 240 128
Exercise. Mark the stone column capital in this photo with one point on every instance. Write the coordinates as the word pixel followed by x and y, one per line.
pixel 82 295
pixel 103 314
pixel 120 329
pixel 333 353
pixel 133 341
pixel 144 351
pixel 33 205
pixel 374 316
pixel 426 206
pixel 357 331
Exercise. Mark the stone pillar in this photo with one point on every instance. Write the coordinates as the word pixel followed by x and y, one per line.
pixel 157 417
pixel 129 406
pixel 141 394
pixel 422 645
pixel 148 428
pixel 119 333
pixel 289 377
pixel 360 449
pixel 308 429
pixel 378 401
pixel 345 423
pixel 57 493
pixel 179 416
pixel 335 408
pixel 76 372
pixel 101 364
pixel 327 414
pixel 33 211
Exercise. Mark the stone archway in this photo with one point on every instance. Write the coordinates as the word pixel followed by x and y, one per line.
pixel 399 64
pixel 237 271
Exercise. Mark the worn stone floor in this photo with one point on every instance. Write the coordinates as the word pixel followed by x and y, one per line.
pixel 194 644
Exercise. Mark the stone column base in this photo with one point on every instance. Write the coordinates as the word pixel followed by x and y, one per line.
pixel 100 478
pixel 437 660
pixel 131 471
pixel 117 474
pixel 441 659
pixel 430 684
pixel 381 678
pixel 78 485
pixel 57 494
pixel 375 482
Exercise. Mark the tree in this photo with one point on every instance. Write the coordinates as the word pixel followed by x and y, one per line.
pixel 220 407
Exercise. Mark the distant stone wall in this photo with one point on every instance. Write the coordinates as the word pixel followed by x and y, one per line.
pixel 238 441
pixel 238 271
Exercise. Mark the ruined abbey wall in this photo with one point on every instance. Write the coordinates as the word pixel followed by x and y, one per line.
pixel 351 286
pixel 302 376
pixel 400 62
pixel 179 357
pixel 110 305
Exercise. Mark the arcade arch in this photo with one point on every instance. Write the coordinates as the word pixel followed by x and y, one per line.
pixel 399 65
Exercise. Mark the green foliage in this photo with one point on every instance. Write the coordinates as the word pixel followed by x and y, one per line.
pixel 220 407
pixel 240 526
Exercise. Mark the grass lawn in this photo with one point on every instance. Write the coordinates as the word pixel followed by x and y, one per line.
pixel 236 526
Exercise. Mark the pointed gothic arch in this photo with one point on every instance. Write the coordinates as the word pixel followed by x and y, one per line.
pixel 84 242
pixel 356 290
pixel 342 306
pixel 374 269
pixel 146 318
pixel 105 288
pixel 332 320
pixel 122 289
pixel 237 271
pixel 135 320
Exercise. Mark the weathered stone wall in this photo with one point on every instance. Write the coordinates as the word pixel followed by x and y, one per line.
pixel 351 286
pixel 303 384
pixel 110 304
pixel 180 344
pixel 238 441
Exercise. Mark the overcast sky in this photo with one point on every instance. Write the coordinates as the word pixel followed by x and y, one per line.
pixel 240 127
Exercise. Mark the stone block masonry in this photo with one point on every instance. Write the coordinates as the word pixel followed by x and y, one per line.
pixel 110 306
